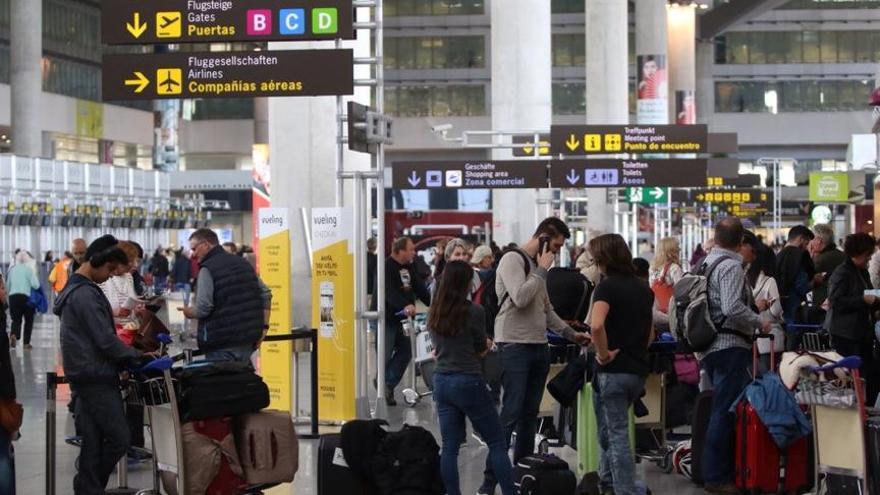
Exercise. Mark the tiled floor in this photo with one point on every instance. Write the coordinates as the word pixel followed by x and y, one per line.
pixel 31 366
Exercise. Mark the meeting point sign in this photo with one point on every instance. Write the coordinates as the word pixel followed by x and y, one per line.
pixel 231 75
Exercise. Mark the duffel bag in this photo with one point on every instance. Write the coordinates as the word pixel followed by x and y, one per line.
pixel 543 474
pixel 211 389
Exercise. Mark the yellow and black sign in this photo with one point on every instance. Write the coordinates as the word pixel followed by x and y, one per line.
pixel 229 75
pixel 579 140
pixel 748 180
pixel 126 22
pixel 526 145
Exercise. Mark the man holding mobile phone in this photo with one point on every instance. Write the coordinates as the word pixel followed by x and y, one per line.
pixel 524 315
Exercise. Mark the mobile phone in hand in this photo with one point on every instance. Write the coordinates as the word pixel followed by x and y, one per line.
pixel 543 244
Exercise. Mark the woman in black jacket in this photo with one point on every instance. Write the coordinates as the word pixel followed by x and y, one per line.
pixel 849 319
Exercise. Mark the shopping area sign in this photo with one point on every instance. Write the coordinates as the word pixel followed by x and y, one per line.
pixel 647 195
pixel 829 187
pixel 476 174
pixel 202 21
pixel 580 140
pixel 619 173
pixel 228 74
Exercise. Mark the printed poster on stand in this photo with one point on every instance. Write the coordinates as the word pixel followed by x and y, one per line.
pixel 274 263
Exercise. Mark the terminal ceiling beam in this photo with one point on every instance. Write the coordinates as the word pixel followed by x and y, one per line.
pixel 728 14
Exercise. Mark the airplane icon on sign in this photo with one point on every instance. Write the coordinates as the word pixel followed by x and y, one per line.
pixel 169 81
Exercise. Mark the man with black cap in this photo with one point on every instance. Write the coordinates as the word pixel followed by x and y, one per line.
pixel 93 356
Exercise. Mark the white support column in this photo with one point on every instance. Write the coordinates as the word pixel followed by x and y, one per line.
pixel 682 63
pixel 652 61
pixel 607 84
pixel 521 99
pixel 26 80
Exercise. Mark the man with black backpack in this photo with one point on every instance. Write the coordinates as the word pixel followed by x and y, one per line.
pixel 524 315
pixel 728 357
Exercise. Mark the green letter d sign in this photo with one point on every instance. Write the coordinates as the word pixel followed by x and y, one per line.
pixel 325 21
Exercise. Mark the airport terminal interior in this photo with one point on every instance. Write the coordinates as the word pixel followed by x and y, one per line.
pixel 294 179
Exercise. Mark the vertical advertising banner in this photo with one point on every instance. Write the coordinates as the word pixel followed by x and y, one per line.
pixel 653 90
pixel 685 107
pixel 260 195
pixel 273 228
pixel 333 311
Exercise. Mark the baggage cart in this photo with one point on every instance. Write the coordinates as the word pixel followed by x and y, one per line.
pixel 839 417
pixel 423 359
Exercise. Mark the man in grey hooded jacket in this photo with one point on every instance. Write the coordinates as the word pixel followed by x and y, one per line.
pixel 93 357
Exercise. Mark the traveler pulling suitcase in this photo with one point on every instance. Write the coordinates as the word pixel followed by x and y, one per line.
pixel 267 447
pixel 334 475
pixel 760 466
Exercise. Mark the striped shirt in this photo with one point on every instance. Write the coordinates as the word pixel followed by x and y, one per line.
pixel 730 301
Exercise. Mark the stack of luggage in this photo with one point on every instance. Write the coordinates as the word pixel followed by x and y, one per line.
pixel 229 442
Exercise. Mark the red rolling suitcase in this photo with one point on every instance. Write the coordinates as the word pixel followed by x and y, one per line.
pixel 760 466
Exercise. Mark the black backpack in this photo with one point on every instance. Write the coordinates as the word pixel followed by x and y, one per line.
pixel 487 297
pixel 543 474
pixel 408 463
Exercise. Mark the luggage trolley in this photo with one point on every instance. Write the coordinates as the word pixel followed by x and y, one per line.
pixel 655 402
pixel 838 413
pixel 159 397
pixel 423 359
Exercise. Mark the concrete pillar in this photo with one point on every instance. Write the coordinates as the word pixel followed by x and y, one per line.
pixel 651 62
pixel 26 80
pixel 302 157
pixel 682 63
pixel 521 100
pixel 261 120
pixel 705 81
pixel 607 85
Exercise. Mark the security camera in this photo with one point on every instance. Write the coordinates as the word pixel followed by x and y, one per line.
pixel 440 128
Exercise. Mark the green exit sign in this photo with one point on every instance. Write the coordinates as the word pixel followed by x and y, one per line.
pixel 647 195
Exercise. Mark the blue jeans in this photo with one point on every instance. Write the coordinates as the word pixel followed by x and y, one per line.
pixel 101 422
pixel 729 371
pixel 398 354
pixel 613 395
pixel 187 289
pixel 458 395
pixel 525 375
pixel 7 463
pixel 241 354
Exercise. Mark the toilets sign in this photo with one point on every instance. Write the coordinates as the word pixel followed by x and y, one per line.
pixel 126 22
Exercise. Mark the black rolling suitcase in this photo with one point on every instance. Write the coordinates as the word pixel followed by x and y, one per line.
pixel 334 476
pixel 872 437
pixel 699 425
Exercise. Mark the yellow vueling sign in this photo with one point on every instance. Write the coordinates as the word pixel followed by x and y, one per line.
pixel 333 311
pixel 276 357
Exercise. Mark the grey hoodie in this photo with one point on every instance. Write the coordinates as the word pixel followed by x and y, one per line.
pixel 90 349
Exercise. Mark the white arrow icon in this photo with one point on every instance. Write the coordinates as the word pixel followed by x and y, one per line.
pixel 573 177
pixel 414 179
pixel 657 193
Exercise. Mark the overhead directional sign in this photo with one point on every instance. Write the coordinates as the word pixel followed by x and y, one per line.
pixel 747 180
pixel 582 140
pixel 619 173
pixel 200 21
pixel 647 195
pixel 476 174
pixel 228 74
pixel 746 203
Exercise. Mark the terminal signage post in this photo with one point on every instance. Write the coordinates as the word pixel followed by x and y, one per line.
pixel 620 173
pixel 203 21
pixel 228 75
pixel 581 140
pixel 477 174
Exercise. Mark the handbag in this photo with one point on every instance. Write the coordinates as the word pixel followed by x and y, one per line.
pixel 37 301
pixel 663 291
pixel 145 340
pixel 11 415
